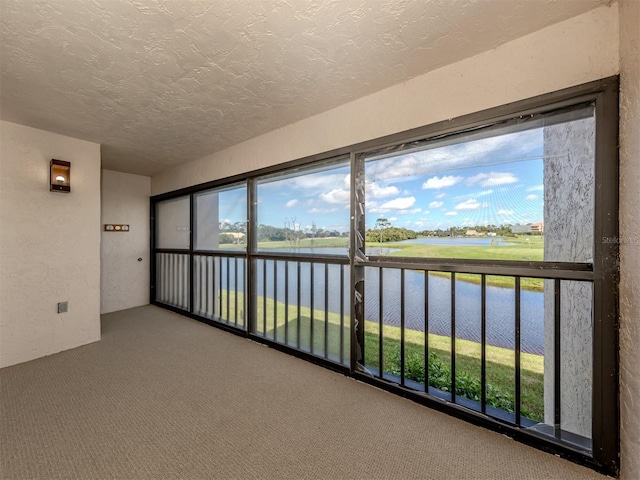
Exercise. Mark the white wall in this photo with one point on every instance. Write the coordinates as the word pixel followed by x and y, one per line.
pixel 630 234
pixel 576 51
pixel 49 245
pixel 124 281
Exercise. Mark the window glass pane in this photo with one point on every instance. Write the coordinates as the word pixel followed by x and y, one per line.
pixel 306 211
pixel 221 219
pixel 521 192
pixel 172 220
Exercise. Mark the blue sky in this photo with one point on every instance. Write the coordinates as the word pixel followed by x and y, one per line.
pixel 495 180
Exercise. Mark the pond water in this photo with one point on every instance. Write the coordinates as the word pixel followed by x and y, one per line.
pixel 500 302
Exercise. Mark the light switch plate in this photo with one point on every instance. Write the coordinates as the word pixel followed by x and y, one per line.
pixel 116 227
pixel 63 307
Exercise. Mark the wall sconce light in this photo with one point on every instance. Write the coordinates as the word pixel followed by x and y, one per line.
pixel 59 176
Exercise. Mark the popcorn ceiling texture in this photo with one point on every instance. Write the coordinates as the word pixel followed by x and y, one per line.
pixel 578 50
pixel 160 83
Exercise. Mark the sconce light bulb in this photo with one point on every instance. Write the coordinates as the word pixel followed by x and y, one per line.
pixel 60 179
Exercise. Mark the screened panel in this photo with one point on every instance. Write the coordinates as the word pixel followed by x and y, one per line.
pixel 523 192
pixel 221 219
pixel 172 221
pixel 305 211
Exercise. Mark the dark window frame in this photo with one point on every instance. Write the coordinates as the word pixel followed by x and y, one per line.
pixel 605 273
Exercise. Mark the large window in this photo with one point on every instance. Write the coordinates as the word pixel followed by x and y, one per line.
pixel 468 265
pixel 305 211
pixel 518 193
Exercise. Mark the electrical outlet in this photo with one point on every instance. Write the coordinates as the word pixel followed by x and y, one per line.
pixel 63 307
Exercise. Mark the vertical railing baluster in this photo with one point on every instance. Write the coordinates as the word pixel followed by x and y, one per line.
pixel 178 278
pixel 169 297
pixel 202 284
pixel 179 284
pixel 483 344
pixel 275 300
pixel 426 331
pixel 298 294
pixel 228 319
pixel 187 281
pixel 165 278
pixel 199 283
pixel 326 310
pixel 264 297
pixel 380 322
pixel 186 259
pixel 402 321
pixel 453 337
pixel 517 352
pixel 172 282
pixel 245 300
pixel 556 359
pixel 168 272
pixel 161 280
pixel 235 289
pixel 211 286
pixel 286 302
pixel 342 314
pixel 220 290
pixel 311 288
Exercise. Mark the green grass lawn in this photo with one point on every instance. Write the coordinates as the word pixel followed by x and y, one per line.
pixel 523 247
pixel 500 362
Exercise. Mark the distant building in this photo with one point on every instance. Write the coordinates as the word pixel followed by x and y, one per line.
pixel 471 233
pixel 537 227
pixel 492 234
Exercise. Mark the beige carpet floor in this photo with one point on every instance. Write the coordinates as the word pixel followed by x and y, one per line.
pixel 164 397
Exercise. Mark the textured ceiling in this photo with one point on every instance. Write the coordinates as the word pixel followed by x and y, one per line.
pixel 162 82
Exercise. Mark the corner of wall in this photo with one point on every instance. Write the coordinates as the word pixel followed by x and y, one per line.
pixel 124 256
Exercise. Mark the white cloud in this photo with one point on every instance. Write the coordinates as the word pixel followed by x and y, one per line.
pixel 531 197
pixel 338 196
pixel 401 203
pixel 536 188
pixel 471 204
pixel 451 214
pixel 441 195
pixel 436 204
pixel 492 179
pixel 393 219
pixel 441 182
pixel 374 190
pixel 499 149
pixel 291 203
pixel 484 192
pixel 506 212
